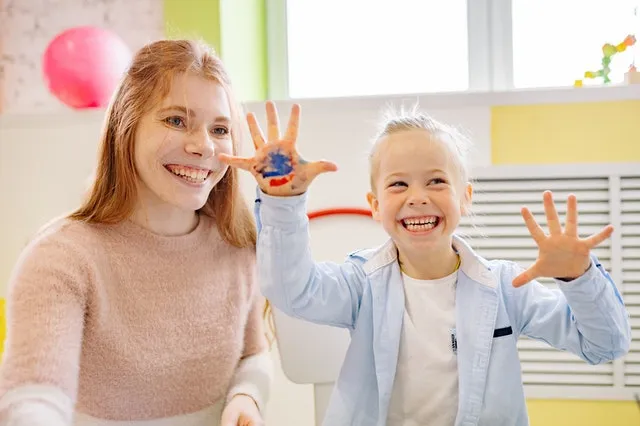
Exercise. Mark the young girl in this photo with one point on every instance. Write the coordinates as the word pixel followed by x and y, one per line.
pixel 142 307
pixel 433 325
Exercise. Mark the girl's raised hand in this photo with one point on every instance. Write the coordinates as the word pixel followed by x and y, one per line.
pixel 277 165
pixel 561 254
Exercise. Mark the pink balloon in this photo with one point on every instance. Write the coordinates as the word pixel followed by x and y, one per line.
pixel 83 65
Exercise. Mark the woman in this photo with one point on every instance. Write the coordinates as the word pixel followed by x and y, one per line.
pixel 141 307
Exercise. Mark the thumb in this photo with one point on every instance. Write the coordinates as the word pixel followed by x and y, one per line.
pixel 318 167
pixel 244 163
pixel 527 275
pixel 229 418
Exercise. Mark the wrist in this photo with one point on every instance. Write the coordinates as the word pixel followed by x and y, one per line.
pixel 287 190
pixel 245 397
pixel 567 279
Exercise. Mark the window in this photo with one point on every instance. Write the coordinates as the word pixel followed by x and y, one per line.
pixel 555 42
pixel 336 48
pixel 364 47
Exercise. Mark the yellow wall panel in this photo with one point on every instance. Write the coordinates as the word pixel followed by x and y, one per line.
pixel 583 413
pixel 566 133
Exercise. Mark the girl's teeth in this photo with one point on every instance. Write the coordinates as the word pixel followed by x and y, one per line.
pixel 421 227
pixel 420 221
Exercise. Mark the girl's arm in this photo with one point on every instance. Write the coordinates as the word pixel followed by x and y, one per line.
pixel 325 293
pixel 321 292
pixel 587 315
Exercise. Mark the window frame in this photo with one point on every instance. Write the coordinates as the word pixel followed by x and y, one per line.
pixel 489 36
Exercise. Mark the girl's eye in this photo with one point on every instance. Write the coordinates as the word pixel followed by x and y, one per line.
pixel 175 121
pixel 397 184
pixel 221 131
pixel 437 181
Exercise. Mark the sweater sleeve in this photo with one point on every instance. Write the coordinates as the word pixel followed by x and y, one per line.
pixel 254 373
pixel 45 319
pixel 255 340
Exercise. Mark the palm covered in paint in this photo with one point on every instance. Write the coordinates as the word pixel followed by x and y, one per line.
pixel 276 165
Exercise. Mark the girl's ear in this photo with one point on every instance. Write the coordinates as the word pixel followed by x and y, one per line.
pixel 465 202
pixel 375 206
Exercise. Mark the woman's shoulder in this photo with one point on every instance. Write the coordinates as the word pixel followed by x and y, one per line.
pixel 66 232
pixel 71 243
pixel 57 256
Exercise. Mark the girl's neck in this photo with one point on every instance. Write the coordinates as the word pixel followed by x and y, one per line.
pixel 429 264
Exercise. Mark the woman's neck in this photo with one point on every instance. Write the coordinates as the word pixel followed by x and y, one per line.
pixel 164 219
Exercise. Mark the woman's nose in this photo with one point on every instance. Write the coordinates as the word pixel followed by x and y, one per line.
pixel 200 144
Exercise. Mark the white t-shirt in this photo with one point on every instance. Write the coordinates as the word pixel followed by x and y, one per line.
pixel 425 390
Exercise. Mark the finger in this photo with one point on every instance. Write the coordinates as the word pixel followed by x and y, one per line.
pixel 571 225
pixel 526 276
pixel 239 162
pixel 598 238
pixel 534 229
pixel 228 419
pixel 318 167
pixel 273 122
pixel 255 131
pixel 294 124
pixel 553 222
pixel 247 421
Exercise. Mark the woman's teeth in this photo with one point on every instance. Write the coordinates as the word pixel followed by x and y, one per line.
pixel 423 224
pixel 188 174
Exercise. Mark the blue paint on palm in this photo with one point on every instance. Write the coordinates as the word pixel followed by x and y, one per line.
pixel 279 165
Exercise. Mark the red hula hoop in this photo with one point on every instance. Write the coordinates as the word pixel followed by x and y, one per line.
pixel 338 211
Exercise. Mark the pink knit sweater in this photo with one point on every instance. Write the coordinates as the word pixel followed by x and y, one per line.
pixel 131 325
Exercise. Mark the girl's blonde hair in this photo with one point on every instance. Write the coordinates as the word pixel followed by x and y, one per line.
pixel 458 145
pixel 113 192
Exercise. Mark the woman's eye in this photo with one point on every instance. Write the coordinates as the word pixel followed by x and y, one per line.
pixel 175 121
pixel 221 131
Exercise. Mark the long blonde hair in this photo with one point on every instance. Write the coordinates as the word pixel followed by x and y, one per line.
pixel 113 192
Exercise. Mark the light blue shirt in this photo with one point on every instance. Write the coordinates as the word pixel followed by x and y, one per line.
pixel 365 295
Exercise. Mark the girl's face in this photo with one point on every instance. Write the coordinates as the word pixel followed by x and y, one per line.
pixel 419 197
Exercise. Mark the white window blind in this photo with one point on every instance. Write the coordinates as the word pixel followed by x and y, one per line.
pixel 630 218
pixel 606 194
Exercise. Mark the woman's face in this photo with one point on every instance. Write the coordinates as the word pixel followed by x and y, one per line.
pixel 177 144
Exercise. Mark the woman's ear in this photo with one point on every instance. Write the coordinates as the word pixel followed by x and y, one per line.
pixel 374 204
